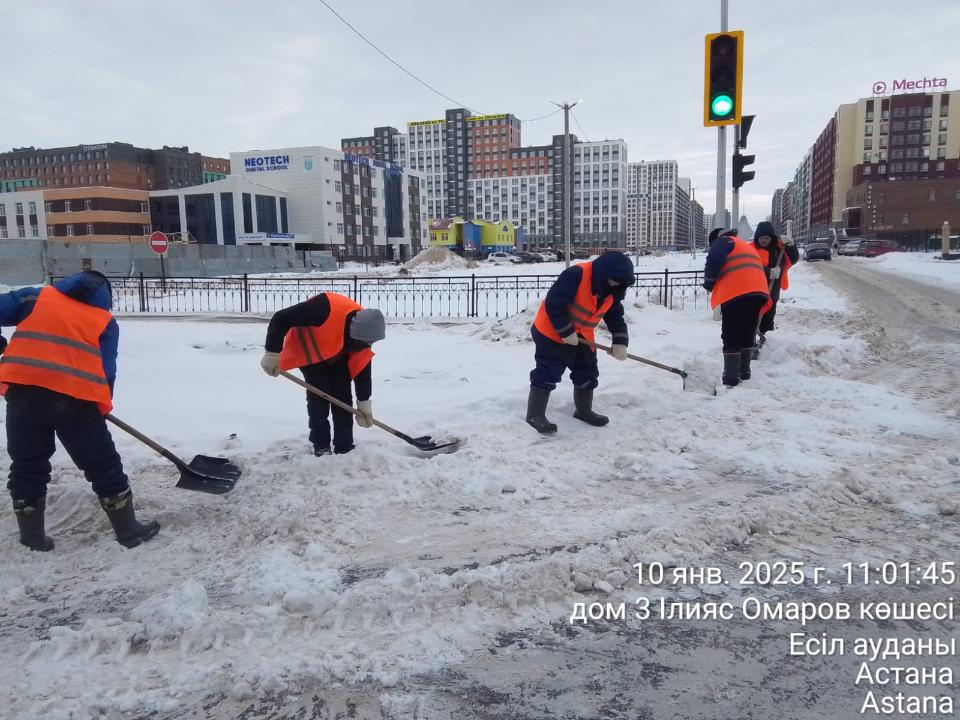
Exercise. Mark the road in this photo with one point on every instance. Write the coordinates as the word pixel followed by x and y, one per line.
pixel 682 670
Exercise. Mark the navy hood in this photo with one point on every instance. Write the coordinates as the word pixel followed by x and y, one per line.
pixel 89 287
pixel 611 265
pixel 765 228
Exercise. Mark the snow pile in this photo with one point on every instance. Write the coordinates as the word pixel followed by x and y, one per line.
pixel 924 267
pixel 380 565
pixel 436 258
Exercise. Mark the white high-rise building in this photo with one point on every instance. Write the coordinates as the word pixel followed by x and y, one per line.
pixel 524 200
pixel 426 153
pixel 659 206
pixel 600 193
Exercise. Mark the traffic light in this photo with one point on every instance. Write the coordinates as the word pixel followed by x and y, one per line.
pixel 739 163
pixel 723 79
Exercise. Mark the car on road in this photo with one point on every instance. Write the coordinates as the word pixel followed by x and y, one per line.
pixel 502 258
pixel 874 248
pixel 528 257
pixel 850 248
pixel 817 251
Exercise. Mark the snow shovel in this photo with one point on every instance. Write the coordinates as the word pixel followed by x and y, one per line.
pixel 423 443
pixel 757 344
pixel 207 474
pixel 692 382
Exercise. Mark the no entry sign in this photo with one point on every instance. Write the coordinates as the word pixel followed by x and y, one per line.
pixel 159 243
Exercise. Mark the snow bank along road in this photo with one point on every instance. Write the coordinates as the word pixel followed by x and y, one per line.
pixel 384 585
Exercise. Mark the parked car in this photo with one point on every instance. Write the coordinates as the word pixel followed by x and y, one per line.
pixel 817 251
pixel 873 248
pixel 528 257
pixel 548 256
pixel 502 258
pixel 850 248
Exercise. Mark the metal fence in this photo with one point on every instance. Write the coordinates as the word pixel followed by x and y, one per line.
pixel 468 296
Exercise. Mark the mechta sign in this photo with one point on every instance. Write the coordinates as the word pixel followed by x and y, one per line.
pixel 426 122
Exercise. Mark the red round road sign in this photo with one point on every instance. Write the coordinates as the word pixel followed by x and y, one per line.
pixel 159 243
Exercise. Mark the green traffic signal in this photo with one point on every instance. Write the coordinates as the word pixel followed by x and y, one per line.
pixel 721 106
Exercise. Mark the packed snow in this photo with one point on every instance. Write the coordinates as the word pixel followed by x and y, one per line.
pixel 382 564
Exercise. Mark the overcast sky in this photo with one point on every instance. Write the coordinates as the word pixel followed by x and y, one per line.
pixel 232 75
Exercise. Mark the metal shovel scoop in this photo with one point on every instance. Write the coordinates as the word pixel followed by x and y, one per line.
pixel 214 475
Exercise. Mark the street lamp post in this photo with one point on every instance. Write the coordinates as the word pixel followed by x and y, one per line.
pixel 568 178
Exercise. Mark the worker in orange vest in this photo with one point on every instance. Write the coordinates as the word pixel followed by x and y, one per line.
pixel 582 296
pixel 329 337
pixel 735 277
pixel 58 373
pixel 777 256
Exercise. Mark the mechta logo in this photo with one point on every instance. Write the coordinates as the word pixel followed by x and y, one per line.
pixel 880 87
pixel 266 163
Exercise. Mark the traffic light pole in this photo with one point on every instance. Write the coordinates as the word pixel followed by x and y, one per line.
pixel 719 217
pixel 735 195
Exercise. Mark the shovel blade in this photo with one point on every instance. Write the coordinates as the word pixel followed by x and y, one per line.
pixel 699 378
pixel 213 475
pixel 438 448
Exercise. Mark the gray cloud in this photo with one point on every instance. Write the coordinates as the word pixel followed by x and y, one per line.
pixel 223 75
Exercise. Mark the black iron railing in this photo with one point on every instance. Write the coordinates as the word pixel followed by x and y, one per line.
pixel 465 296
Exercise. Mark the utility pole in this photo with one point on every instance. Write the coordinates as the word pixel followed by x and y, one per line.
pixel 719 217
pixel 735 195
pixel 568 179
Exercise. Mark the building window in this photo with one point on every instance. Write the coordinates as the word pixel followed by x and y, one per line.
pixel 940 166
pixel 19 207
pixel 941 153
pixel 942 139
pixel 339 207
pixel 88 205
pixel 868 144
pixel 340 228
pixel 33 208
pixel 905 220
pixel 338 187
pixel 69 230
pixel 932 196
pixel 67 206
pixel 50 231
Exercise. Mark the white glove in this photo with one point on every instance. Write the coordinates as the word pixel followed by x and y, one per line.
pixel 619 352
pixel 775 273
pixel 787 240
pixel 365 410
pixel 572 339
pixel 270 362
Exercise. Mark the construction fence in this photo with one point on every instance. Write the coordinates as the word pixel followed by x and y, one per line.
pixel 27 262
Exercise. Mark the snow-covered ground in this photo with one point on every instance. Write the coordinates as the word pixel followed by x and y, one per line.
pixel 381 566
pixel 924 267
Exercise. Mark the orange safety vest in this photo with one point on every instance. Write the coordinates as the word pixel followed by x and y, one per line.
pixel 309 345
pixel 57 347
pixel 764 254
pixel 742 274
pixel 585 312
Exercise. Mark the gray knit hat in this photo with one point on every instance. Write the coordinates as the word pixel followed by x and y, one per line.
pixel 368 326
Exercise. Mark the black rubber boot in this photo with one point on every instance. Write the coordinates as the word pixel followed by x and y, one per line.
pixel 130 532
pixel 342 449
pixel 321 450
pixel 731 369
pixel 746 355
pixel 537 411
pixel 30 521
pixel 583 401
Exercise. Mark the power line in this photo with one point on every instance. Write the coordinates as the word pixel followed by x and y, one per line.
pixel 542 117
pixel 579 125
pixel 415 77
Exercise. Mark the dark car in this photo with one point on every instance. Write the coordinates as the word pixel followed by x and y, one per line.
pixel 817 251
pixel 526 257
pixel 873 248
